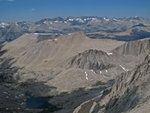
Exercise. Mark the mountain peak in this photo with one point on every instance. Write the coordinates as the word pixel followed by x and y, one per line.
pixel 92 59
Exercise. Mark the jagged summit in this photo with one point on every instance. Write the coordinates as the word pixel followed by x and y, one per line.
pixel 92 59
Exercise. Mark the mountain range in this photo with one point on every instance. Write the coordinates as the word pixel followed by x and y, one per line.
pixel 87 24
pixel 103 67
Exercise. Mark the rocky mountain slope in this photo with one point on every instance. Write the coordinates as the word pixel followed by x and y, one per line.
pixel 48 60
pixel 128 93
pixel 74 73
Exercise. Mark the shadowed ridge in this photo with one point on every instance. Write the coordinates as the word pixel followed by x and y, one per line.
pixel 6 69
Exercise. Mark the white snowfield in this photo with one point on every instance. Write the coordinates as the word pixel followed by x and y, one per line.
pixel 100 72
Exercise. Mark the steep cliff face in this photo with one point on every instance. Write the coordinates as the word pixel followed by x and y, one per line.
pixel 129 91
pixel 132 53
pixel 135 48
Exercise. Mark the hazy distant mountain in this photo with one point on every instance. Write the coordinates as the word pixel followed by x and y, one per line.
pixel 87 24
pixel 3 25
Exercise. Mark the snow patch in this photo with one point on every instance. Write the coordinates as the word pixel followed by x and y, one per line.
pixel 106 19
pixel 65 22
pixel 5 92
pixel 36 33
pixel 93 71
pixel 109 53
pixel 106 71
pixel 94 18
pixel 22 103
pixel 21 95
pixel 4 24
pixel 86 76
pixel 55 39
pixel 100 72
pixel 70 19
pixel 45 22
pixel 124 68
pixel 70 34
pixel 80 20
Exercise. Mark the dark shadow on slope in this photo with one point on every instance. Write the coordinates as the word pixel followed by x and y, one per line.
pixel 7 82
pixel 37 93
pixel 69 101
pixel 6 68
pixel 12 89
pixel 37 88
pixel 7 71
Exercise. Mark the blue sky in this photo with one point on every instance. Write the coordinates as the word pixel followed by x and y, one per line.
pixel 33 10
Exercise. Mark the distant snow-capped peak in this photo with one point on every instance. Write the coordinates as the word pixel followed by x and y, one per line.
pixel 3 24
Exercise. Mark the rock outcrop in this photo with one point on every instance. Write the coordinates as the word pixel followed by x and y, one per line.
pixel 129 91
pixel 92 60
